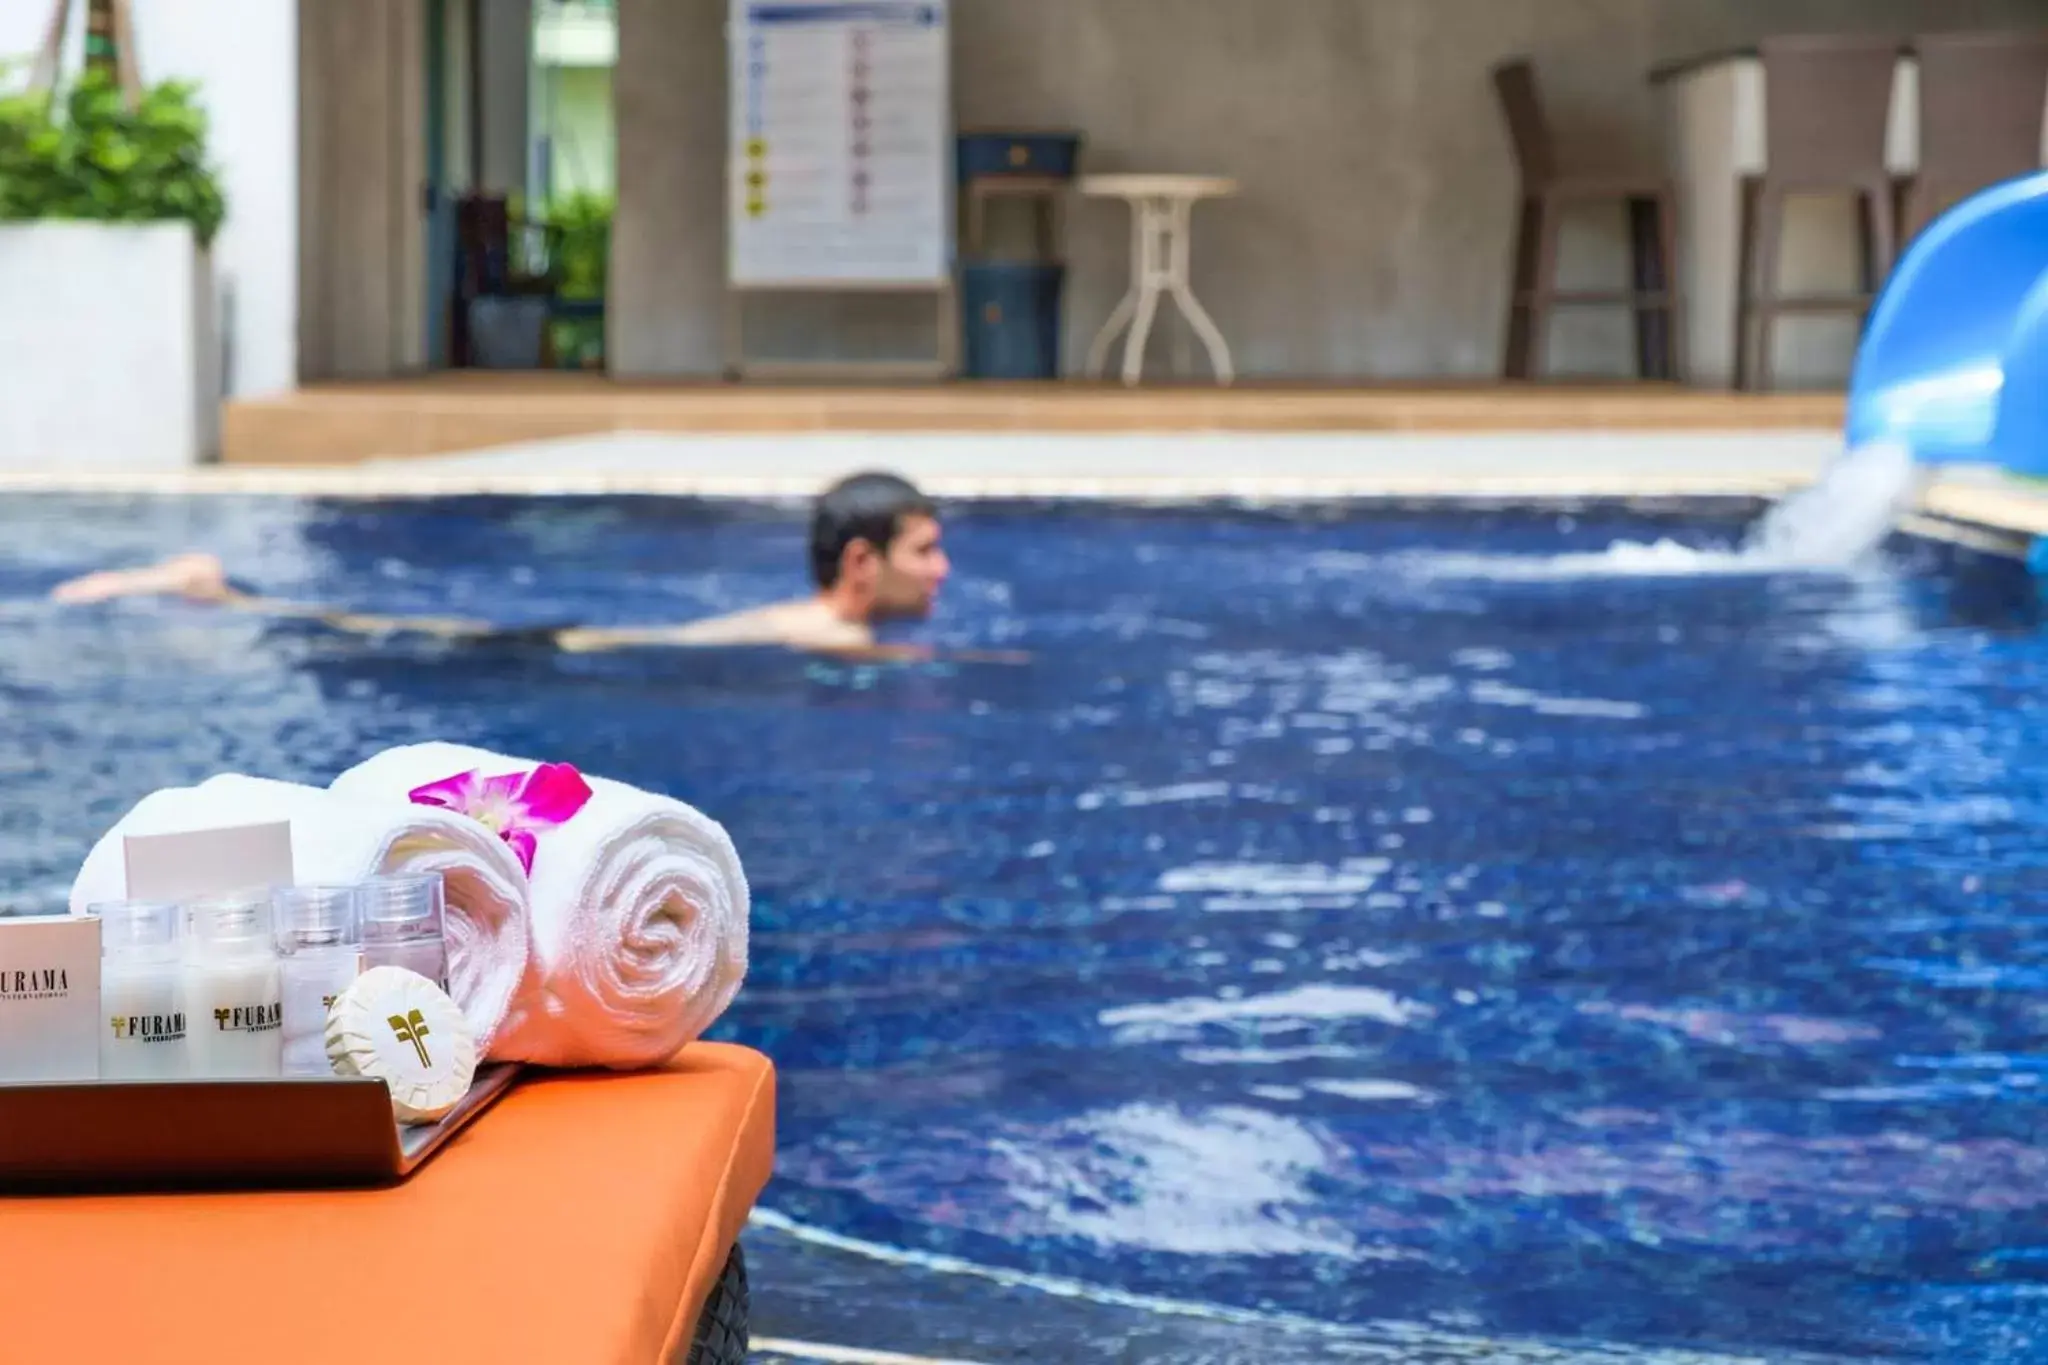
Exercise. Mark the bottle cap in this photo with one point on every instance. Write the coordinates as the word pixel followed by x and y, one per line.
pixel 316 916
pixel 400 1028
pixel 236 924
pixel 140 927
pixel 402 907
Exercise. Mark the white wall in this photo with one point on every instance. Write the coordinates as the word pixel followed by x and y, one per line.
pixel 245 56
pixel 106 347
pixel 21 27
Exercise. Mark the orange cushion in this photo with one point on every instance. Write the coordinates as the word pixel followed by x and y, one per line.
pixel 584 1218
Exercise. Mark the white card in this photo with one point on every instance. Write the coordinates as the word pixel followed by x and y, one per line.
pixel 209 862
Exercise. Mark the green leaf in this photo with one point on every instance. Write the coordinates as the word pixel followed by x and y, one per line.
pixel 87 155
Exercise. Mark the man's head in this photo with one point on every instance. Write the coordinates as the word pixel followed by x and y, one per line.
pixel 875 546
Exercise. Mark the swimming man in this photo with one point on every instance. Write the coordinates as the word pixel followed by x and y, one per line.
pixel 875 556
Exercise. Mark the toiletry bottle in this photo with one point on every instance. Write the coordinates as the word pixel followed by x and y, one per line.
pixel 403 921
pixel 319 954
pixel 142 991
pixel 233 997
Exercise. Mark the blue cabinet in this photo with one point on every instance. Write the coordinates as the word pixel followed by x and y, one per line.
pixel 1010 309
pixel 1011 318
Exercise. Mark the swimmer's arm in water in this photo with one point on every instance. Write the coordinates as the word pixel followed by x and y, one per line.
pixel 876 654
pixel 442 627
pixel 200 578
pixel 802 625
pixel 925 653
pixel 854 644
pixel 598 641
pixel 365 623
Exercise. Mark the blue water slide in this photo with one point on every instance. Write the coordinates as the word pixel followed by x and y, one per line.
pixel 1954 360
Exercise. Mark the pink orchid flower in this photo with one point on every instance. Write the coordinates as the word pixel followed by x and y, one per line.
pixel 515 806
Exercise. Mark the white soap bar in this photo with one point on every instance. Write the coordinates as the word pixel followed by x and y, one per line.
pixel 398 1027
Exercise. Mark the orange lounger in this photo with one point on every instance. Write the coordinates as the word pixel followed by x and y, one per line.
pixel 585 1218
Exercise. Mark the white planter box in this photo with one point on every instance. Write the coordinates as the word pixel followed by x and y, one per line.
pixel 109 349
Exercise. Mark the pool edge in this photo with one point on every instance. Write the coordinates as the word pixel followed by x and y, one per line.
pixel 1977 508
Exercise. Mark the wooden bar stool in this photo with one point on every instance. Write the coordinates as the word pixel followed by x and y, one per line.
pixel 1827 109
pixel 1547 187
pixel 1982 96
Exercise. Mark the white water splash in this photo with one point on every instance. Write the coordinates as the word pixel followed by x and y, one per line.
pixel 1836 523
pixel 1843 517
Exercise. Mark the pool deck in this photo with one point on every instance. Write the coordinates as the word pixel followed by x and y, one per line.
pixel 449 413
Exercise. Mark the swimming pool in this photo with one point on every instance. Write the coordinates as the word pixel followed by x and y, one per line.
pixel 1351 915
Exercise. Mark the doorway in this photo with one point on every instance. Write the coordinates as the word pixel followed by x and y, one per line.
pixel 521 182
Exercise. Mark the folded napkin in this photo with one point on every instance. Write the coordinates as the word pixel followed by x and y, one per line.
pixel 339 839
pixel 639 909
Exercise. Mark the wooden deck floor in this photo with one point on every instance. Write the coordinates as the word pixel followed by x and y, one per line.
pixel 346 423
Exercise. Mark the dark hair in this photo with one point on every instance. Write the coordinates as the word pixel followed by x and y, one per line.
pixel 870 507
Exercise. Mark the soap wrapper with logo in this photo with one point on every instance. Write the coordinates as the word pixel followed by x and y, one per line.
pixel 49 998
pixel 396 1026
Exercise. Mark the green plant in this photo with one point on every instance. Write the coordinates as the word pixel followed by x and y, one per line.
pixel 88 156
pixel 584 244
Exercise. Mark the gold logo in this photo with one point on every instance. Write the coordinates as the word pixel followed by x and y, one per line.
pixel 120 1026
pixel 412 1028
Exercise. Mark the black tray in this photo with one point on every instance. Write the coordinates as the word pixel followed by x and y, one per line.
pixel 312 1133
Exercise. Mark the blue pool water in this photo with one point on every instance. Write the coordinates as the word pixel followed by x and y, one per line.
pixel 1351 915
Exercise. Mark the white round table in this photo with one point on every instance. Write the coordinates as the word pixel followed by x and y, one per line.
pixel 1161 240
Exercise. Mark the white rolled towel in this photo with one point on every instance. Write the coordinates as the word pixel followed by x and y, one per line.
pixel 640 910
pixel 339 839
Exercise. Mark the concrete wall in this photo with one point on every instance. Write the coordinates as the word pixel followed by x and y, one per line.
pixel 506 59
pixel 243 54
pixel 361 307
pixel 1371 241
pixel 664 317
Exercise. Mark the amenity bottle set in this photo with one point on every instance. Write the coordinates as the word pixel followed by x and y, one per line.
pixel 238 986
